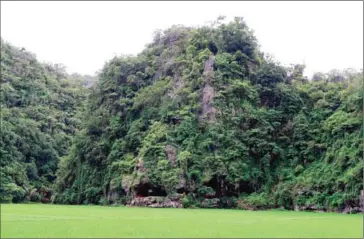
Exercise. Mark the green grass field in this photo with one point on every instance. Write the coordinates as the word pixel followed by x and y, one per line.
pixel 58 221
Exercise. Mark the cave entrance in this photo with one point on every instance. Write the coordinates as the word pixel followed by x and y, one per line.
pixel 181 190
pixel 223 188
pixel 245 187
pixel 146 190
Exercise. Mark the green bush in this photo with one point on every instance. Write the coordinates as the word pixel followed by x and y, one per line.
pixel 283 196
pixel 103 201
pixel 227 202
pixel 12 193
pixel 35 196
pixel 255 201
pixel 93 195
pixel 124 200
pixel 206 191
pixel 186 203
pixel 337 200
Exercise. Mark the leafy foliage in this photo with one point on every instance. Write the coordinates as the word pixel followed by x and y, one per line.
pixel 201 112
pixel 39 116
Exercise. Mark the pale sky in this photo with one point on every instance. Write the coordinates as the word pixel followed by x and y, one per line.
pixel 83 35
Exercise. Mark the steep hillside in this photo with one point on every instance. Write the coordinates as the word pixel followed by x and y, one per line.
pixel 39 116
pixel 203 117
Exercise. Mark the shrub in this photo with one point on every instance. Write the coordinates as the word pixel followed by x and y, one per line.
pixel 124 200
pixel 15 193
pixel 255 201
pixel 283 197
pixel 103 201
pixel 206 191
pixel 337 200
pixel 93 195
pixel 34 196
pixel 6 198
pixel 186 203
pixel 227 202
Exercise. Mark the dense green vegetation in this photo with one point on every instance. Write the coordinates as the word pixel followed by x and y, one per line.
pixel 40 110
pixel 200 112
pixel 35 221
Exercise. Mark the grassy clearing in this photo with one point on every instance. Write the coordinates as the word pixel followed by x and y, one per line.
pixel 58 221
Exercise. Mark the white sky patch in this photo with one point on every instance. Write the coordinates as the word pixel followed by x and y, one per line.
pixel 83 35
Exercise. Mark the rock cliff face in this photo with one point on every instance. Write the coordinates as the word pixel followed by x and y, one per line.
pixel 203 112
pixel 208 93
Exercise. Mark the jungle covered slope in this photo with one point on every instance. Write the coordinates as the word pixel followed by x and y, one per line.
pixel 201 117
pixel 203 113
pixel 39 116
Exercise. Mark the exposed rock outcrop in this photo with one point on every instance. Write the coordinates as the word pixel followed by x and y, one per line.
pixel 308 208
pixel 210 203
pixel 171 153
pixel 208 111
pixel 157 202
pixel 352 210
pixel 208 93
pixel 178 84
pixel 354 206
pixel 182 181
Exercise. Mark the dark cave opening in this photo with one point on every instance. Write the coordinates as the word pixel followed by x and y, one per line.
pixel 181 190
pixel 224 189
pixel 146 190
